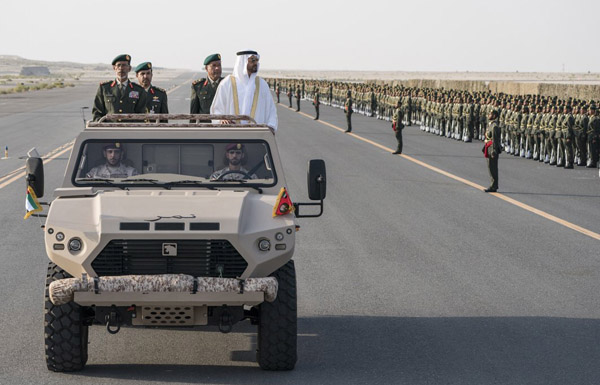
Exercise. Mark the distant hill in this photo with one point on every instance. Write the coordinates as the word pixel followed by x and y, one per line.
pixel 12 65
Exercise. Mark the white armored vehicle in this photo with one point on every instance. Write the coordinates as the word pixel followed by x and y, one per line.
pixel 164 223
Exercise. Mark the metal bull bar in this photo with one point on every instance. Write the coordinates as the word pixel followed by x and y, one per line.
pixel 162 288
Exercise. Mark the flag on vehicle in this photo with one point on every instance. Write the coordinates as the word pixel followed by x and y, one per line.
pixel 31 203
pixel 284 204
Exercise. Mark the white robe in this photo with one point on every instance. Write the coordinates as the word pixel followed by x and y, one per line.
pixel 266 112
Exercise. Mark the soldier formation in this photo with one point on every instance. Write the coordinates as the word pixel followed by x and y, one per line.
pixel 560 132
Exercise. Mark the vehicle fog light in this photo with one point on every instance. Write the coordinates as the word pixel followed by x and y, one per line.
pixel 279 236
pixel 60 237
pixel 75 244
pixel 264 244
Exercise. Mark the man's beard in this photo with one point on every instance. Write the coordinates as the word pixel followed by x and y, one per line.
pixel 235 162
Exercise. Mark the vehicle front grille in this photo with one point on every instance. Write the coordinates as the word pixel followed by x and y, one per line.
pixel 200 258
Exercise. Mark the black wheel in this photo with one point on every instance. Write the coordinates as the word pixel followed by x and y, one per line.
pixel 278 324
pixel 66 336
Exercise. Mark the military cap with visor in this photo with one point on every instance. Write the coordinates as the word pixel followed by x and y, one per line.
pixel 143 66
pixel 211 58
pixel 122 57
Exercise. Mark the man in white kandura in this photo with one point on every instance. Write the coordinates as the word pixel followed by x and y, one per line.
pixel 244 93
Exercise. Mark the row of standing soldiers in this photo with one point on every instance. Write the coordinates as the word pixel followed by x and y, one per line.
pixel 561 132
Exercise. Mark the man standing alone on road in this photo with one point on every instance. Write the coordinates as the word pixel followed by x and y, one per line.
pixel 398 126
pixel 244 93
pixel 298 97
pixel 157 97
pixel 119 96
pixel 316 103
pixel 491 149
pixel 348 110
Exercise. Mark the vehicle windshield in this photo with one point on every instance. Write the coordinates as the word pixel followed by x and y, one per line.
pixel 130 163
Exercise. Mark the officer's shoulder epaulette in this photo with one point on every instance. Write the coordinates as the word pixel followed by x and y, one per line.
pixel 105 82
pixel 135 85
pixel 198 81
pixel 159 89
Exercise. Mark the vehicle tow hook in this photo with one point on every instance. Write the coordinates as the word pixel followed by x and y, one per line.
pixel 225 320
pixel 113 321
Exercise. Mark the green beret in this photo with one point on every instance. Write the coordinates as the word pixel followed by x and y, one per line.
pixel 123 57
pixel 211 58
pixel 143 66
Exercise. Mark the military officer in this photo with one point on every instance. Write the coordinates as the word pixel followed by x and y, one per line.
pixel 492 149
pixel 397 126
pixel 593 137
pixel 298 97
pixel 277 92
pixel 348 110
pixel 157 97
pixel 290 92
pixel 119 96
pixel 204 90
pixel 316 103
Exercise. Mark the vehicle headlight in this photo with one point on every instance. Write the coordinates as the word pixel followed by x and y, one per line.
pixel 264 244
pixel 75 244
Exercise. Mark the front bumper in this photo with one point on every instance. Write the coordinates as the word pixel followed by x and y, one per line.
pixel 163 289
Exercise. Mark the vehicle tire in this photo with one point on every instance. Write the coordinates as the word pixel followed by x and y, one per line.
pixel 278 324
pixel 66 337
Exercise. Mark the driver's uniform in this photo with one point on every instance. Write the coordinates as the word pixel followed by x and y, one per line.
pixel 233 176
pixel 106 171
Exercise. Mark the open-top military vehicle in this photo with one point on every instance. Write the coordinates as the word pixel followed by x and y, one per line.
pixel 164 223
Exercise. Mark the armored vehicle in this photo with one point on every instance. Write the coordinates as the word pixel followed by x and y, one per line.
pixel 162 223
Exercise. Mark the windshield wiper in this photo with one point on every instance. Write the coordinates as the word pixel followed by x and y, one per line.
pixel 109 182
pixel 240 181
pixel 152 181
pixel 189 181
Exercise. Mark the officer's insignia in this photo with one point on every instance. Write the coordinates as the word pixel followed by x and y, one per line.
pixel 219 56
pixel 239 146
pixel 127 57
pixel 156 99
pixel 134 95
pixel 149 65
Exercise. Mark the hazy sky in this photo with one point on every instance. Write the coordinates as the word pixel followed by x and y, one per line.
pixel 416 35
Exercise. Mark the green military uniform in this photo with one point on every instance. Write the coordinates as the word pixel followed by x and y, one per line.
pixel 348 110
pixel 157 100
pixel 316 103
pixel 492 139
pixel 203 93
pixel 593 138
pixel 397 126
pixel 111 98
pixel 298 97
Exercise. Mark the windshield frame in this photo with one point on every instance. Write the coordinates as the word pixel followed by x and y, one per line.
pixel 208 184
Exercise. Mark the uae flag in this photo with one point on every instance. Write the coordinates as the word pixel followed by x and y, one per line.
pixel 31 203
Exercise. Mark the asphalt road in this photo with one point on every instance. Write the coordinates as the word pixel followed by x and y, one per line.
pixel 410 276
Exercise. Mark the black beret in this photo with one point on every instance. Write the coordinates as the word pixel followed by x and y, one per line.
pixel 122 57
pixel 211 58
pixel 143 66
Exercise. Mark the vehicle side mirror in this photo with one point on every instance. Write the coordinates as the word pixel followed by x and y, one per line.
pixel 317 179
pixel 34 175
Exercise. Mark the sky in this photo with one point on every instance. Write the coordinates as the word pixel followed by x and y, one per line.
pixel 367 35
